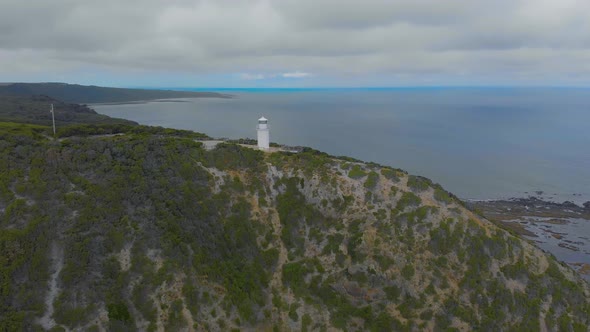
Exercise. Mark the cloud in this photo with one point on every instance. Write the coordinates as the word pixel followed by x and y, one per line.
pixel 296 74
pixel 249 77
pixel 389 42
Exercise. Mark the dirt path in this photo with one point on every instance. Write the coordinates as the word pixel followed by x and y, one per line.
pixel 57 262
pixel 61 139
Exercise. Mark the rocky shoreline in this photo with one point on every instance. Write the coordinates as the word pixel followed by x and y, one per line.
pixel 562 229
pixel 499 210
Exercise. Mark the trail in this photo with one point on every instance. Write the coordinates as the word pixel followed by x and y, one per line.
pixel 272 214
pixel 57 260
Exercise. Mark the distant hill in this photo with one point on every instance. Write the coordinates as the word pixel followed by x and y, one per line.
pixel 73 93
pixel 35 110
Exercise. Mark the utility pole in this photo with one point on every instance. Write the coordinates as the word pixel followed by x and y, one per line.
pixel 53 119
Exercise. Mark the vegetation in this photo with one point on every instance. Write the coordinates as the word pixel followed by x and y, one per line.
pixel 372 179
pixel 418 183
pixel 10 131
pixel 356 172
pixel 113 129
pixel 148 229
pixel 73 93
pixel 392 174
pixel 408 199
pixel 442 196
pixel 35 110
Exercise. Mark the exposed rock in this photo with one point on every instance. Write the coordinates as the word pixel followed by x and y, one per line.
pixel 569 204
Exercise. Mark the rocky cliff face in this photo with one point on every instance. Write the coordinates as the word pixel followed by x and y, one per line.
pixel 152 232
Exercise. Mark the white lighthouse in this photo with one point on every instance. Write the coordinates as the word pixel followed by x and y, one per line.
pixel 263 135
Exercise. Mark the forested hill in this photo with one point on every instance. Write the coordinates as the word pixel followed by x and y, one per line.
pixel 147 230
pixel 73 93
pixel 35 110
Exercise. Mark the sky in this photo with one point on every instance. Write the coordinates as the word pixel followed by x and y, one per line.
pixel 296 43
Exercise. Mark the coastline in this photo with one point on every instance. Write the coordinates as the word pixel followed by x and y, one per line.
pixel 506 209
pixel 161 100
pixel 562 229
pixel 512 207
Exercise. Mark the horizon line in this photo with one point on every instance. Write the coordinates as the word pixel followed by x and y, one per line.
pixel 316 87
pixel 364 87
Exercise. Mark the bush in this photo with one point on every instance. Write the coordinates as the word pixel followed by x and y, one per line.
pixel 333 244
pixel 392 293
pixel 391 174
pixel 305 322
pixel 293 312
pixel 356 172
pixel 118 311
pixel 372 180
pixel 384 262
pixel 408 271
pixel 270 257
pixel 294 277
pixel 418 183
pixel 408 199
pixel 442 196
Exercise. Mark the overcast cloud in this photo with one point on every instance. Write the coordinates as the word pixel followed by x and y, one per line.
pixel 296 42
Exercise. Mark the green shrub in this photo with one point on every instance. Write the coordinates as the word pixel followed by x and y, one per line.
pixel 408 199
pixel 418 183
pixel 408 271
pixel 392 293
pixel 270 257
pixel 391 174
pixel 356 172
pixel 293 311
pixel 442 196
pixel 384 261
pixel 305 322
pixel 384 322
pixel 333 244
pixel 118 311
pixel 372 180
pixel 294 277
pixel 393 191
pixel 381 214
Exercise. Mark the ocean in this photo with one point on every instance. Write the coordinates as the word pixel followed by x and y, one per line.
pixel 479 143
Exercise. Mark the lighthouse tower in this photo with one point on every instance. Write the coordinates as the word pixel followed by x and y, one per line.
pixel 263 135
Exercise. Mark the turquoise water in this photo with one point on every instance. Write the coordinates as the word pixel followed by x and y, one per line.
pixel 480 143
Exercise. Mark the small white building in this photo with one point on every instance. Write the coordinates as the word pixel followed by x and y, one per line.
pixel 263 134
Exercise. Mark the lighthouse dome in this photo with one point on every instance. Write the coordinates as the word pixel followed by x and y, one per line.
pixel 263 119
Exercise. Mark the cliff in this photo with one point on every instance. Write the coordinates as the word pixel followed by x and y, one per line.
pixel 149 231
